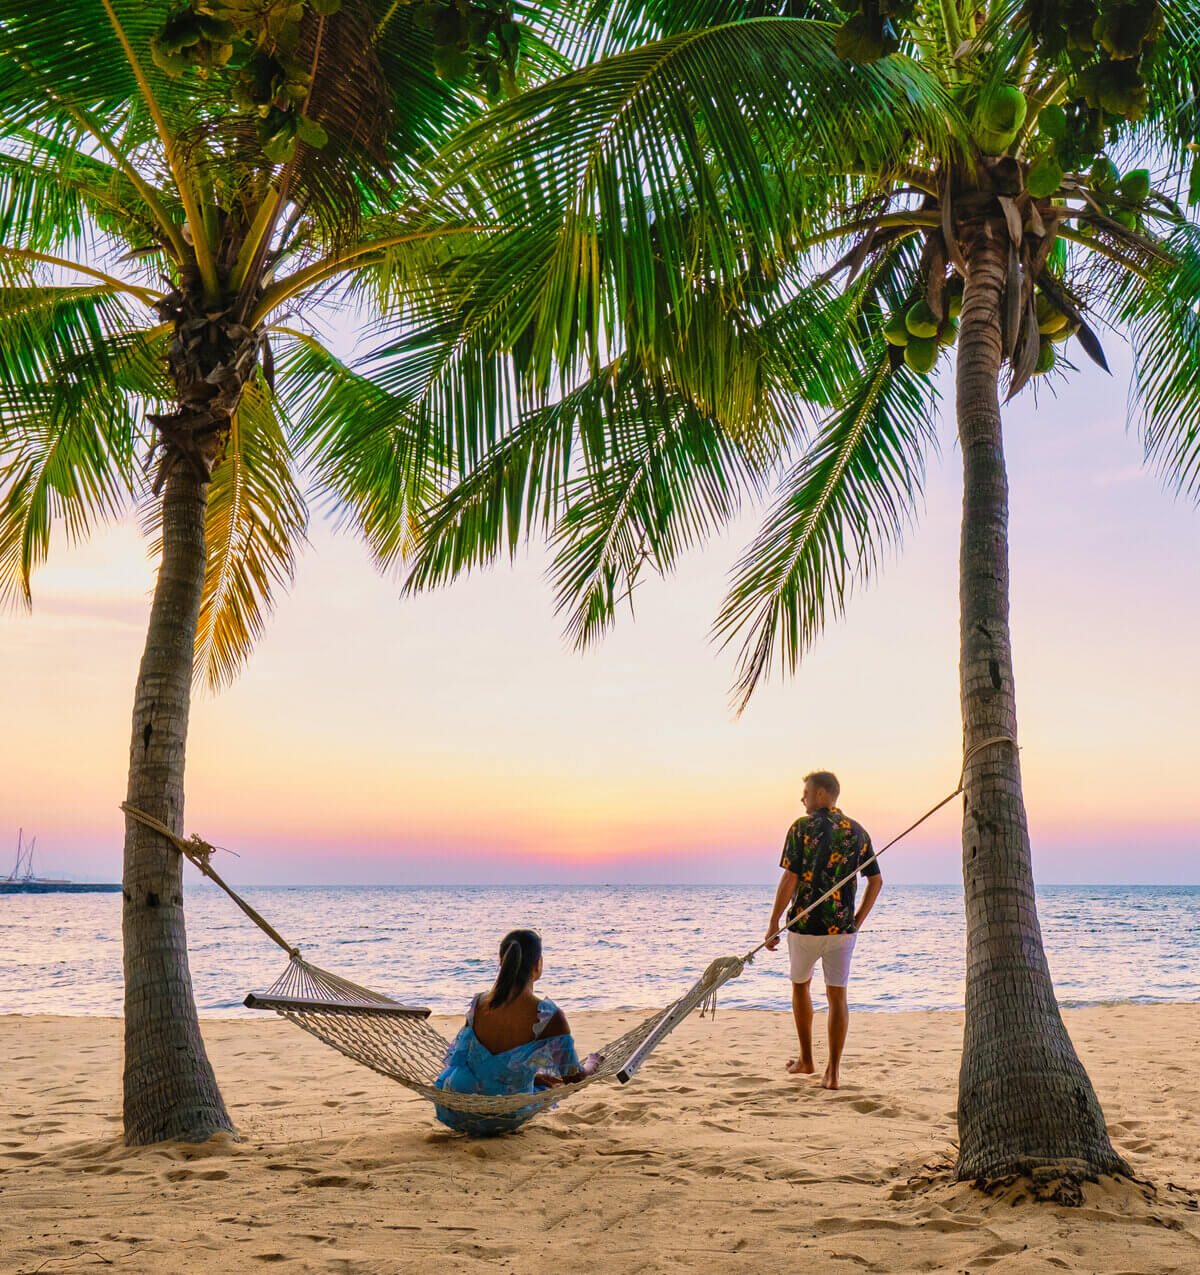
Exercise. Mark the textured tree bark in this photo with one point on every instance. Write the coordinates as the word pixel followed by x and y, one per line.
pixel 1025 1101
pixel 170 1089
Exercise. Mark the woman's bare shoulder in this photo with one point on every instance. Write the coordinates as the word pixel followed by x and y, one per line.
pixel 556 1025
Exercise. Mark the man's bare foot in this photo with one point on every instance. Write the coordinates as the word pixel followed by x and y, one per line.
pixel 830 1079
pixel 798 1067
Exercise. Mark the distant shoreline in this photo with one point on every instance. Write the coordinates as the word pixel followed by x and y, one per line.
pixel 583 1015
pixel 655 885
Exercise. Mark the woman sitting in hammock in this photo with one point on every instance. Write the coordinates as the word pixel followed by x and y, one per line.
pixel 512 1042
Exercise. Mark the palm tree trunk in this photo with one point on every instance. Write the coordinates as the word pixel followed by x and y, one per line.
pixel 1025 1100
pixel 170 1089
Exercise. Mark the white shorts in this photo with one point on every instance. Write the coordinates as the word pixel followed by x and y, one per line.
pixel 832 950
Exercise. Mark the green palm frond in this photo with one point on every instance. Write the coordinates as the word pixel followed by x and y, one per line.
pixel 851 495
pixel 70 56
pixel 1164 327
pixel 609 27
pixel 51 192
pixel 518 488
pixel 722 149
pixel 669 478
pixel 371 463
pixel 67 449
pixel 45 328
pixel 1173 84
pixel 256 521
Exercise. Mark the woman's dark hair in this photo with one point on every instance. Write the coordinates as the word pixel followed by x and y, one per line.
pixel 520 952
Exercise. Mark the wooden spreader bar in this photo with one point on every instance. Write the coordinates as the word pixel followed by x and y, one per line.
pixel 304 1004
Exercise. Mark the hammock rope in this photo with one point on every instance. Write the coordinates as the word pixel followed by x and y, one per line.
pixel 397 1041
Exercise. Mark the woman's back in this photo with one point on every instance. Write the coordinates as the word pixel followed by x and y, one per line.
pixel 517 1022
pixel 511 1043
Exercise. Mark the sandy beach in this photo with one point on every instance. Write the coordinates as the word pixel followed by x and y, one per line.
pixel 711 1160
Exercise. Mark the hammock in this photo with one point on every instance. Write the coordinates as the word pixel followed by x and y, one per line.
pixel 397 1041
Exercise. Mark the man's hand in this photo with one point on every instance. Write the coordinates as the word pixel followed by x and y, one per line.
pixel 772 937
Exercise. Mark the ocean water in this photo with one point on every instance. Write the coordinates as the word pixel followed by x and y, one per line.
pixel 606 947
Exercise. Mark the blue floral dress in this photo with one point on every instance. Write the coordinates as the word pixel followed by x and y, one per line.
pixel 472 1068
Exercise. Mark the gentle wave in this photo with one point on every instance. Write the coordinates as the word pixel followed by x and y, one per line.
pixel 606 947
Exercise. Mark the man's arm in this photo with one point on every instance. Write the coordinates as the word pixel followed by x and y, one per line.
pixel 870 894
pixel 784 893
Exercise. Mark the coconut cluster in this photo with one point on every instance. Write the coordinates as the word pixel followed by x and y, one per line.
pixel 916 329
pixel 472 39
pixel 1053 327
pixel 1109 46
pixel 874 31
pixel 257 40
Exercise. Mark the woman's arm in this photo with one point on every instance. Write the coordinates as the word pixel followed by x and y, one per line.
pixel 567 1067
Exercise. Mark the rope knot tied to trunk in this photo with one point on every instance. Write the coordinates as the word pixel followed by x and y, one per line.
pixel 201 850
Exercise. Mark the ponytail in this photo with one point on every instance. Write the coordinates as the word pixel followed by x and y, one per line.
pixel 520 952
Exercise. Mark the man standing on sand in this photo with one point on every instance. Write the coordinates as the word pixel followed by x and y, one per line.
pixel 821 848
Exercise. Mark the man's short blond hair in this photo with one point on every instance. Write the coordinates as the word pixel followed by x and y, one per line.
pixel 825 779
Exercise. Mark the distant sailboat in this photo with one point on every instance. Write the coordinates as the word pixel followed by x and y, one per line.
pixel 24 882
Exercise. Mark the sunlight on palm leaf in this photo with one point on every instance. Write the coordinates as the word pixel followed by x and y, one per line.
pixel 1164 324
pixel 851 495
pixel 256 523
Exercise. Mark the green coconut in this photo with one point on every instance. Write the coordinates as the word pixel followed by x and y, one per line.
pixel 1044 177
pixel 215 29
pixel 1104 175
pixel 862 39
pixel 1064 333
pixel 921 321
pixel 1115 87
pixel 1122 30
pixel 921 354
pixel 1049 317
pixel 1135 185
pixel 949 332
pixel 168 61
pixel 998 117
pixel 1045 359
pixel 896 331
pixel 1052 122
pixel 954 297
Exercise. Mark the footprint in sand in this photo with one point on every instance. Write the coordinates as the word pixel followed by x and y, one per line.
pixel 990 1256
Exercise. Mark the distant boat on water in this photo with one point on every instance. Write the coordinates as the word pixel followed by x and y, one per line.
pixel 22 881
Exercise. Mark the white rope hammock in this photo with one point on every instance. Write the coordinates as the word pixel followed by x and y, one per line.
pixel 397 1041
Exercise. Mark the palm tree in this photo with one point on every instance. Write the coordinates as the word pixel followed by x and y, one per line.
pixel 735 246
pixel 180 183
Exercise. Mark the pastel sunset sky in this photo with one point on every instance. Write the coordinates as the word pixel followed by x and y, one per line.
pixel 456 738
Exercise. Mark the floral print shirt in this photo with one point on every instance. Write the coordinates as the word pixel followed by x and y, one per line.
pixel 821 849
